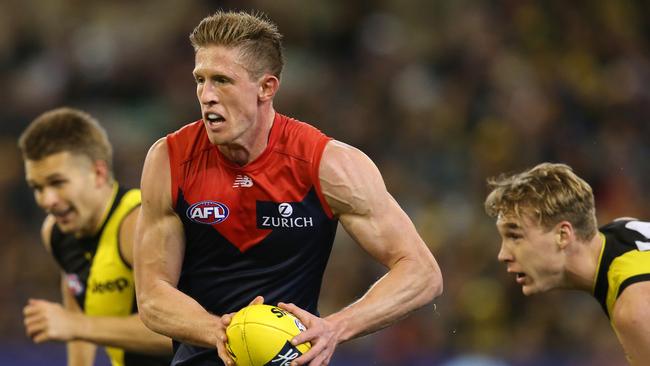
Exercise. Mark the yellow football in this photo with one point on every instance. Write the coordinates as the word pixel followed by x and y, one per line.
pixel 260 335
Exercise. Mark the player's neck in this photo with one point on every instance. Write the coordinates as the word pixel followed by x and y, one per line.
pixel 253 142
pixel 106 196
pixel 583 264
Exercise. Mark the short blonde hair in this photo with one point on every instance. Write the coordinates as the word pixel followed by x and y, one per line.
pixel 256 36
pixel 66 130
pixel 550 193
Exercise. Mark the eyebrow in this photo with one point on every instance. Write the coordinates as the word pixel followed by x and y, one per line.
pixel 512 226
pixel 50 177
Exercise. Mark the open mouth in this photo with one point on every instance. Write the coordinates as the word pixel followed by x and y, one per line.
pixel 214 118
pixel 520 277
pixel 61 214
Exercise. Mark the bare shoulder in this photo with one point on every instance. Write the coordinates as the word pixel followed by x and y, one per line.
pixel 46 232
pixel 156 181
pixel 156 171
pixel 349 179
pixel 631 318
pixel 158 151
pixel 127 234
pixel 633 306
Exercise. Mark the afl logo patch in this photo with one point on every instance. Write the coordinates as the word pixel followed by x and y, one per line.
pixel 207 212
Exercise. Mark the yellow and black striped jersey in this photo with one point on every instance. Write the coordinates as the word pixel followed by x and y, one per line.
pixel 97 275
pixel 624 260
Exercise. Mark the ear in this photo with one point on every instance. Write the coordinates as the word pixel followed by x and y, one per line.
pixel 268 86
pixel 564 234
pixel 102 173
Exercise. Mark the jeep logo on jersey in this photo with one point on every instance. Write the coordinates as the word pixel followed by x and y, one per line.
pixel 207 212
pixel 285 215
pixel 118 284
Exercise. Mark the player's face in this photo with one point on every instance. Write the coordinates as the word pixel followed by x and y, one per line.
pixel 65 186
pixel 530 253
pixel 227 94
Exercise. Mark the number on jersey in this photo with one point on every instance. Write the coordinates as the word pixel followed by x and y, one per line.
pixel 642 228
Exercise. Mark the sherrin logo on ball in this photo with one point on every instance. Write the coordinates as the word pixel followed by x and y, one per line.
pixel 207 212
pixel 260 335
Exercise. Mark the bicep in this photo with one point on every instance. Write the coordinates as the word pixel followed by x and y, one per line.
pixel 159 245
pixel 631 319
pixel 127 234
pixel 356 192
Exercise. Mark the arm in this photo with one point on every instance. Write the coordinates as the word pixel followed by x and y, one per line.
pixel 158 257
pixel 631 321
pixel 37 319
pixel 80 353
pixel 49 321
pixel 354 189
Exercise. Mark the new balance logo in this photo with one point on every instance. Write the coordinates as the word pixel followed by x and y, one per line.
pixel 243 181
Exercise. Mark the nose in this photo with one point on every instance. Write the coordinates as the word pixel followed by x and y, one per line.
pixel 504 254
pixel 207 94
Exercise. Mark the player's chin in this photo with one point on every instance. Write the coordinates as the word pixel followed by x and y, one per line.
pixel 529 290
pixel 68 227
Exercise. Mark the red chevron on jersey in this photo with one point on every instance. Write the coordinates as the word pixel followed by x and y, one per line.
pixel 245 204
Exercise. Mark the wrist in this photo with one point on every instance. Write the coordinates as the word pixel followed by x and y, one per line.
pixel 341 326
pixel 79 326
pixel 216 331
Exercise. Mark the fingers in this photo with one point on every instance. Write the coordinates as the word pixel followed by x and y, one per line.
pixel 222 339
pixel 32 309
pixel 319 354
pixel 226 319
pixel 303 337
pixel 40 337
pixel 308 356
pixel 318 332
pixel 222 352
pixel 34 320
pixel 35 326
pixel 303 315
pixel 30 312
pixel 35 306
pixel 257 301
pixel 306 318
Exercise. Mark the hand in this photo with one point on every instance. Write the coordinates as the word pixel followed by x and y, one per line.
pixel 48 321
pixel 222 348
pixel 320 332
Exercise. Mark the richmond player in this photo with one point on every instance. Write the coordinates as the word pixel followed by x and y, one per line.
pixel 547 222
pixel 89 231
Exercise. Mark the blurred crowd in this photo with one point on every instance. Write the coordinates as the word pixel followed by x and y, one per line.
pixel 440 94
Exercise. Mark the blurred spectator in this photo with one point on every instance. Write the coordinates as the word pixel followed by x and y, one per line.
pixel 440 94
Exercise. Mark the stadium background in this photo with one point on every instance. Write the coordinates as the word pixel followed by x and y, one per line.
pixel 441 94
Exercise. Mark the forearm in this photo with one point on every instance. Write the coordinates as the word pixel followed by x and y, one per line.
pixel 405 288
pixel 127 333
pixel 80 353
pixel 166 310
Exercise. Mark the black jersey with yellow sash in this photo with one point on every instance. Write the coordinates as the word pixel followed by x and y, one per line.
pixel 624 260
pixel 97 275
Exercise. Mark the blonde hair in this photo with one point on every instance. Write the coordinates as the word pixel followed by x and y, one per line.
pixel 257 38
pixel 66 130
pixel 550 193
